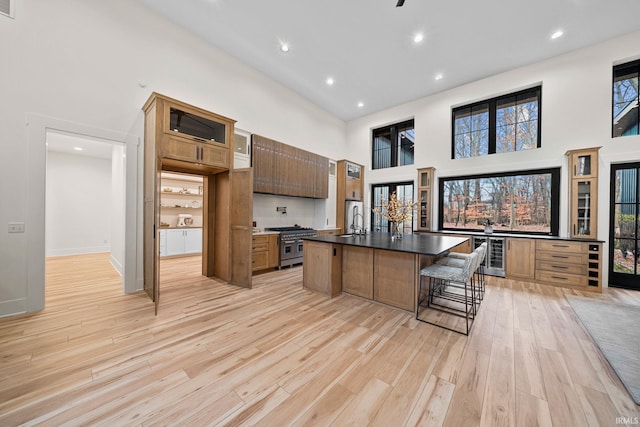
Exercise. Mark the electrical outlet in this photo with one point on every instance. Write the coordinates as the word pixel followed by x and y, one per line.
pixel 16 227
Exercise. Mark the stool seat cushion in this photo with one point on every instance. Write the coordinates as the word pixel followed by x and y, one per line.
pixel 455 274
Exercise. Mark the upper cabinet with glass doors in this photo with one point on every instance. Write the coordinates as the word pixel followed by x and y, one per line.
pixel 583 193
pixel 425 182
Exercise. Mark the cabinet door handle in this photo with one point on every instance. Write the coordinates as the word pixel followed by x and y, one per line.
pixel 560 267
pixel 560 246
pixel 559 278
pixel 560 257
pixel 574 170
pixel 196 153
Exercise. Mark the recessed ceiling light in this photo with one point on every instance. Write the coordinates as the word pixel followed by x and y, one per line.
pixel 360 104
pixel 557 34
pixel 284 47
pixel 439 76
pixel 418 38
pixel 77 148
pixel 330 81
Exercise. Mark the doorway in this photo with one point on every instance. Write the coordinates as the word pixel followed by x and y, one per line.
pixel 84 197
pixel 624 228
pixel 181 223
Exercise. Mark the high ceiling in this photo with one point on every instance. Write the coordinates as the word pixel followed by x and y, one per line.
pixel 367 46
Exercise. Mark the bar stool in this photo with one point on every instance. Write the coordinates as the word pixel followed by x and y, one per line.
pixel 456 259
pixel 452 286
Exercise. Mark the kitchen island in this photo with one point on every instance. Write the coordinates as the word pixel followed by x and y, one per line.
pixel 372 266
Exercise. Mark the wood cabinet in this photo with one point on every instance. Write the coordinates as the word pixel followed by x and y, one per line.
pixel 265 252
pixel 358 278
pixel 394 276
pixel 350 186
pixel 574 264
pixel 350 177
pixel 425 208
pixel 322 268
pixel 521 259
pixel 583 193
pixel 571 264
pixel 195 152
pixel 179 137
pixel 289 171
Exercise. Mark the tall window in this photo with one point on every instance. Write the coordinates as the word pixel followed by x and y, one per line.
pixel 382 192
pixel 624 228
pixel 626 113
pixel 498 125
pixel 393 145
pixel 526 201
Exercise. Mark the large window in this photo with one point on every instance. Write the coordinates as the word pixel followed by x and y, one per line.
pixel 626 113
pixel 498 125
pixel 525 202
pixel 624 228
pixel 393 145
pixel 382 192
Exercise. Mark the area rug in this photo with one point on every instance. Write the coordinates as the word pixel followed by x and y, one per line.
pixel 616 330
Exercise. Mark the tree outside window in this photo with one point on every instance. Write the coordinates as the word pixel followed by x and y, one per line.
pixel 499 125
pixel 626 113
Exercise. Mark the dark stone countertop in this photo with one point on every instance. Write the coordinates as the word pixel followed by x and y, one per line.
pixel 497 234
pixel 412 243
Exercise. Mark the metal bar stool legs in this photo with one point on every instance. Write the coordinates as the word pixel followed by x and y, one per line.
pixel 450 291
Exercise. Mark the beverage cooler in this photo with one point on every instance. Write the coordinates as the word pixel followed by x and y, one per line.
pixel 494 261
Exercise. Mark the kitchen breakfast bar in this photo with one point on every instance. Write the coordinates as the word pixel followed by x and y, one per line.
pixel 372 266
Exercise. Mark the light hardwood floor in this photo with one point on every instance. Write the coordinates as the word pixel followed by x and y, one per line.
pixel 279 355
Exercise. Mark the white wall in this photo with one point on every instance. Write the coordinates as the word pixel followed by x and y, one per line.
pixel 78 204
pixel 94 64
pixel 300 211
pixel 576 113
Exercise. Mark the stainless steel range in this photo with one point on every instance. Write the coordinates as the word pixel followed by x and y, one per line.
pixel 291 243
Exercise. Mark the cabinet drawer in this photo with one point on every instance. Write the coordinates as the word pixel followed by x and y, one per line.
pixel 260 247
pixel 558 246
pixel 562 257
pixel 559 278
pixel 260 261
pixel 561 267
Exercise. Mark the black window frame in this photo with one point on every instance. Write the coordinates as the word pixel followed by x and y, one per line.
pixel 394 131
pixel 393 187
pixel 492 110
pixel 554 226
pixel 617 71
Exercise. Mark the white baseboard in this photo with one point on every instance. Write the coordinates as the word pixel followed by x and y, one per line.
pixel 78 251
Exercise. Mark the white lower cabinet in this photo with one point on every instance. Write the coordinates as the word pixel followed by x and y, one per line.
pixel 180 241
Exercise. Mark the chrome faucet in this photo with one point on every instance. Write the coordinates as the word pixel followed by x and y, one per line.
pixel 357 229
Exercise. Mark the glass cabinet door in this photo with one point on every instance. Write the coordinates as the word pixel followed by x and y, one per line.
pixel 425 179
pixel 584 165
pixel 425 220
pixel 582 213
